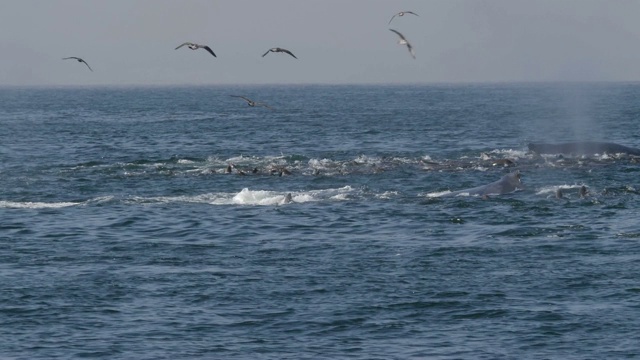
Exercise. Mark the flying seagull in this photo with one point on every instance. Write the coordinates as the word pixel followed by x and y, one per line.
pixel 193 46
pixel 402 13
pixel 251 102
pixel 403 41
pixel 277 49
pixel 79 60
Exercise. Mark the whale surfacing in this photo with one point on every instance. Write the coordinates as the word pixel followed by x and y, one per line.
pixel 587 148
pixel 507 184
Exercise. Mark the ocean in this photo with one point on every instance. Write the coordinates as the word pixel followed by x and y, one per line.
pixel 179 223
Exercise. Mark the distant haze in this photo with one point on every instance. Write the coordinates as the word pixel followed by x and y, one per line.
pixel 336 41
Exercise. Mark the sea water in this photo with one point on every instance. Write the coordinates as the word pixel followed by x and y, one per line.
pixel 153 223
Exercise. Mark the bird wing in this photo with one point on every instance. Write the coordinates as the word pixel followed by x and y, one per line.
pixel 187 43
pixel 86 64
pixel 209 50
pixel 71 57
pixel 392 18
pixel 242 97
pixel 268 51
pixel 265 105
pixel 411 51
pixel 288 52
pixel 397 32
pixel 411 12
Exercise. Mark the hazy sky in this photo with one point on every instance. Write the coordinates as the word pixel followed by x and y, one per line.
pixel 336 41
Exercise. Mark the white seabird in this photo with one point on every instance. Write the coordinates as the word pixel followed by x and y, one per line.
pixel 193 46
pixel 251 102
pixel 402 13
pixel 404 41
pixel 79 60
pixel 277 49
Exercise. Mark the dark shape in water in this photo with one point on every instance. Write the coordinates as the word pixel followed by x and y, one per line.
pixel 582 148
pixel 507 184
pixel 503 162
pixel 583 191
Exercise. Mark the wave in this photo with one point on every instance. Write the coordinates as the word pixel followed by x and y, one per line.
pixel 51 205
pixel 243 197
pixel 254 197
pixel 550 191
pixel 261 165
pixel 36 205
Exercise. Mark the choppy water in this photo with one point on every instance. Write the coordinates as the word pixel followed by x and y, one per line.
pixel 123 237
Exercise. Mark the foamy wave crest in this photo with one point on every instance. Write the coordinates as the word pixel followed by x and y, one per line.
pixel 253 197
pixel 37 205
pixel 438 194
pixel 262 197
pixel 259 197
pixel 551 190
pixel 510 153
pixel 53 205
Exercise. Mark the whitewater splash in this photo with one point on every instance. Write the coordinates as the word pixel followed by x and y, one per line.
pixel 36 205
pixel 264 197
pixel 253 197
pixel 244 197
pixel 52 205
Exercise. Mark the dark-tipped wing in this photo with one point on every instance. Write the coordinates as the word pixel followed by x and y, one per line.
pixel 268 51
pixel 78 59
pixel 264 105
pixel 209 50
pixel 411 12
pixel 242 97
pixel 86 64
pixel 397 32
pixel 394 15
pixel 411 51
pixel 183 44
pixel 288 52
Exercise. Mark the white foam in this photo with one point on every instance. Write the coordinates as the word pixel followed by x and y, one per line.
pixel 510 153
pixel 258 197
pixel 37 205
pixel 301 198
pixel 339 197
pixel 251 197
pixel 551 190
pixel 100 199
pixel 387 195
pixel 314 163
pixel 52 205
pixel 263 197
pixel 364 159
pixel 438 193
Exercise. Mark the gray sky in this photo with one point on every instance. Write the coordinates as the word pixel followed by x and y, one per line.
pixel 336 41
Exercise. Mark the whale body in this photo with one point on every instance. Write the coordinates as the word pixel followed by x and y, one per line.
pixel 507 184
pixel 582 148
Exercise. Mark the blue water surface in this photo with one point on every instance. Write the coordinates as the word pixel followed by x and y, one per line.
pixel 152 223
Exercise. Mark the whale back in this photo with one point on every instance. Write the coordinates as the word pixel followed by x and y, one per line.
pixel 582 148
pixel 507 184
